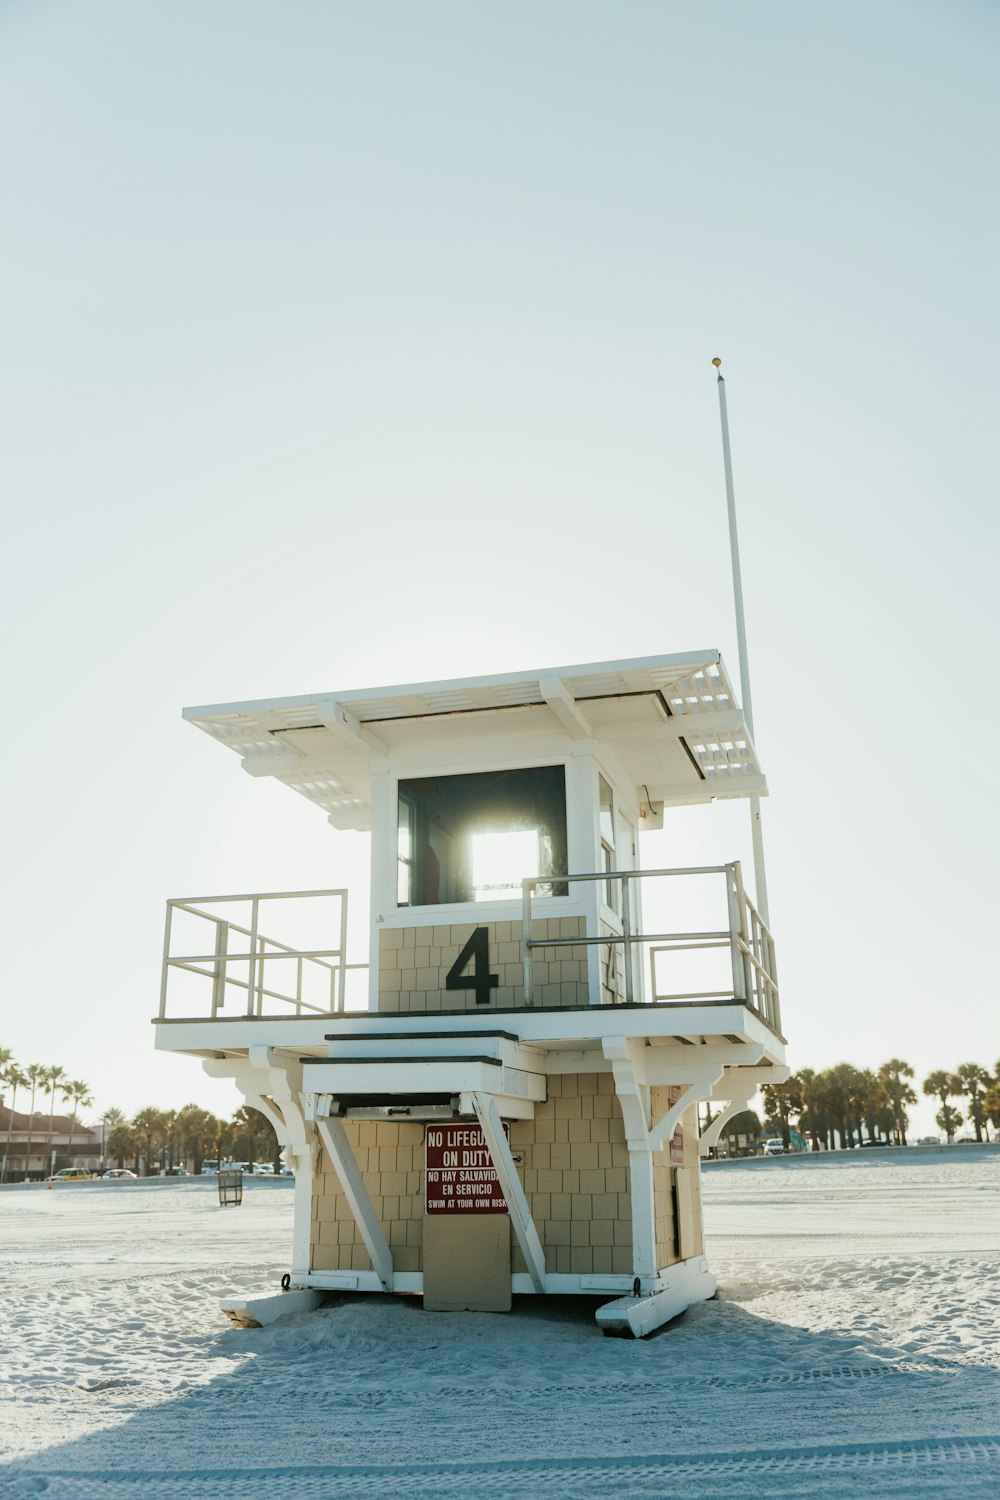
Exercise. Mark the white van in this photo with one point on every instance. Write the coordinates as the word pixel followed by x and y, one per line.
pixel 774 1146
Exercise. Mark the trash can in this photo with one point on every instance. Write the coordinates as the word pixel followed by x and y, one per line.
pixel 230 1188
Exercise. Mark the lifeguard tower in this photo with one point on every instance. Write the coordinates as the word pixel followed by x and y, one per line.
pixel 503 1099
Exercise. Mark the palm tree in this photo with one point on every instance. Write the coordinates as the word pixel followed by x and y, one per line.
pixel 53 1078
pixel 148 1128
pixel 17 1079
pixel 991 1105
pixel 78 1091
pixel 874 1099
pixel 844 1083
pixel 121 1142
pixel 942 1085
pixel 949 1120
pixel 36 1074
pixel 110 1118
pixel 812 1121
pixel 197 1131
pixel 781 1101
pixel 170 1135
pixel 894 1074
pixel 225 1139
pixel 256 1127
pixel 974 1080
pixel 822 1108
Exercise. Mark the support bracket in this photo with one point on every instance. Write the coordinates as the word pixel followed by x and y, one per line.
pixel 520 1214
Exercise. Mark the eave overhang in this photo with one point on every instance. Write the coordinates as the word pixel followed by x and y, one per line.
pixel 672 721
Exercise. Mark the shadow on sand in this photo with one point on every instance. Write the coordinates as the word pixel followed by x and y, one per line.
pixel 375 1397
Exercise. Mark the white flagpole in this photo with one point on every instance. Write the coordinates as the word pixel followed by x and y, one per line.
pixel 760 878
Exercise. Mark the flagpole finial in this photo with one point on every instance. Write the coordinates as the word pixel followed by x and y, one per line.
pixel 717 361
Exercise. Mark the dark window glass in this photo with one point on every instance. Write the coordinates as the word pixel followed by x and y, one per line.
pixel 475 838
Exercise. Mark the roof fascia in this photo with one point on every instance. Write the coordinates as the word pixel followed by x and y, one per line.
pixel 689 660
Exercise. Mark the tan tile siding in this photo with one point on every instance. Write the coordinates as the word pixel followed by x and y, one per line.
pixel 574 1169
pixel 414 963
pixel 612 970
pixel 575 1176
pixel 391 1160
pixel 664 1178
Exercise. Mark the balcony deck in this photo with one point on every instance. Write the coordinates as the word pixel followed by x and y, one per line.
pixel 269 981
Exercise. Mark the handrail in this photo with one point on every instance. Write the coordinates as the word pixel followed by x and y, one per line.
pixel 747 936
pixel 257 953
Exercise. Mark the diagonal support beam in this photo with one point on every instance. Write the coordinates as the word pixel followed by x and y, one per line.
pixel 520 1214
pixel 338 1147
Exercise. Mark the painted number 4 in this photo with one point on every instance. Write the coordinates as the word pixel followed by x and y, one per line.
pixel 477 953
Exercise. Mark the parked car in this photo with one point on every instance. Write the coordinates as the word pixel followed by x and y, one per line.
pixel 119 1174
pixel 178 1172
pixel 74 1174
pixel 929 1140
pixel 774 1146
pixel 263 1169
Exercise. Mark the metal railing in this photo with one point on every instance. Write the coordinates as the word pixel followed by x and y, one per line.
pixel 221 965
pixel 750 944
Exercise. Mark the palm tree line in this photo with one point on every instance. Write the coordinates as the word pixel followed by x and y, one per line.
pixel 834 1106
pixel 152 1137
pixel 845 1105
pixel 38 1080
pixel 169 1138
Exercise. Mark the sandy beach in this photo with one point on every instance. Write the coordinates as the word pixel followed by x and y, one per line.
pixel 854 1350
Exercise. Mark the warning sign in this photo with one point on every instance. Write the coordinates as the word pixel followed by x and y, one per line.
pixel 460 1177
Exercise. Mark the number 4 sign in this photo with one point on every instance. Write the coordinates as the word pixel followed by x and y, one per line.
pixel 477 953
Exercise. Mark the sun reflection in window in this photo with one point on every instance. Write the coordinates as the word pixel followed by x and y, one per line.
pixel 500 861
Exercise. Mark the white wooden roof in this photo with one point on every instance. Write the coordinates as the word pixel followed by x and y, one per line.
pixel 673 722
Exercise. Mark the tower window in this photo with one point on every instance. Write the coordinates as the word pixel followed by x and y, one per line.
pixel 474 838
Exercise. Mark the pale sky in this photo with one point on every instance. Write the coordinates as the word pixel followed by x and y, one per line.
pixel 352 344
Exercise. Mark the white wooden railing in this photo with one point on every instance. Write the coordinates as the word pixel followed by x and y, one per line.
pixel 245 973
pixel 750 944
pixel 239 957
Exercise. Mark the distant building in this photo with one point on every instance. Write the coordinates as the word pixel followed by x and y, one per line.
pixel 85 1144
